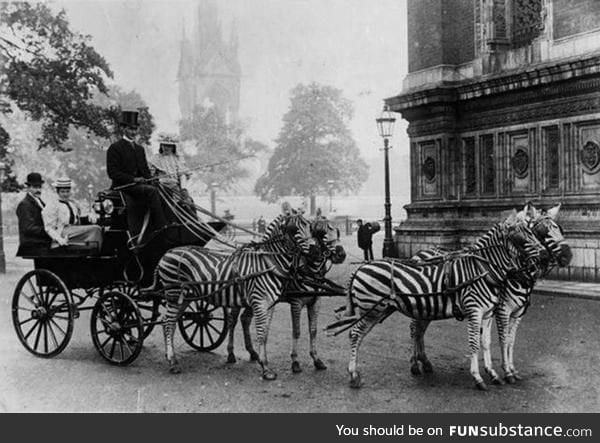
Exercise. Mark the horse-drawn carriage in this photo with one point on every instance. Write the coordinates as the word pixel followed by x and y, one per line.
pixel 117 281
pixel 108 279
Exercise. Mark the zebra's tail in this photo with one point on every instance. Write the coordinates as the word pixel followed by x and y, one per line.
pixel 347 311
pixel 154 284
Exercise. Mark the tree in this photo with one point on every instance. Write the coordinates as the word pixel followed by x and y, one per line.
pixel 314 146
pixel 218 143
pixel 83 155
pixel 50 73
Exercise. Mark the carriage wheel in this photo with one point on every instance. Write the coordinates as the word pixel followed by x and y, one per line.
pixel 148 306
pixel 203 326
pixel 117 328
pixel 43 313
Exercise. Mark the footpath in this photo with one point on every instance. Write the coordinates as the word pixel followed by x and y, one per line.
pixel 565 288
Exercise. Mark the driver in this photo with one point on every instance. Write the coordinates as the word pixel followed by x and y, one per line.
pixel 127 167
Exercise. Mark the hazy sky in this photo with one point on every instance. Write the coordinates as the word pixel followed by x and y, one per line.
pixel 357 46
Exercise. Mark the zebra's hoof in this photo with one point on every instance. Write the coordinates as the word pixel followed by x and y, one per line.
pixel 319 365
pixel 269 375
pixel 414 369
pixel 497 381
pixel 296 369
pixel 175 369
pixel 510 379
pixel 231 359
pixel 517 376
pixel 355 381
pixel 427 367
pixel 481 386
pixel 253 356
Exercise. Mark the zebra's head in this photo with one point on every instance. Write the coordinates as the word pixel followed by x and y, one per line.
pixel 328 245
pixel 549 232
pixel 532 255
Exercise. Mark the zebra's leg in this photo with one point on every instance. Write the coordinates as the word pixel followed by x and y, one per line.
pixel 512 335
pixel 357 335
pixel 262 322
pixel 232 314
pixel 247 315
pixel 417 334
pixel 503 326
pixel 474 329
pixel 486 338
pixel 169 320
pixel 312 310
pixel 295 311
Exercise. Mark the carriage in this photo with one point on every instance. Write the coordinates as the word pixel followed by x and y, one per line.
pixel 110 280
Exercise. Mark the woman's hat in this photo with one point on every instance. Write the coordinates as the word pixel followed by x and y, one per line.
pixel 63 183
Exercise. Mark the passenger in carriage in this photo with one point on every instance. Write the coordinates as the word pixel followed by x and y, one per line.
pixel 32 235
pixel 169 168
pixel 62 220
pixel 127 167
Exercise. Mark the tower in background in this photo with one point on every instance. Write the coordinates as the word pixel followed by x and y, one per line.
pixel 209 70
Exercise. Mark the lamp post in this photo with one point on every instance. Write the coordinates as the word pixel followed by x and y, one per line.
pixel 330 184
pixel 385 127
pixel 213 197
pixel 2 257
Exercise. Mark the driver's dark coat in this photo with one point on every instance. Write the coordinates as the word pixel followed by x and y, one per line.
pixel 125 161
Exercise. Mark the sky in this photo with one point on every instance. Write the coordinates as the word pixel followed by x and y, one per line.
pixel 357 46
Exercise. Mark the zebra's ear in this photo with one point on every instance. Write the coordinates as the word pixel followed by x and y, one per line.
pixel 512 218
pixel 553 212
pixel 531 211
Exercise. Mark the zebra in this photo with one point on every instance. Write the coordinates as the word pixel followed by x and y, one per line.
pixel 242 278
pixel 515 298
pixel 331 252
pixel 466 283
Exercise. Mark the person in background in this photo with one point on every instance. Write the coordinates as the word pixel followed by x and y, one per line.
pixel 62 220
pixel 262 225
pixel 32 235
pixel 365 239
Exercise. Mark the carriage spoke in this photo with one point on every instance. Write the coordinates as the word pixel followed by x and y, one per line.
pixel 53 335
pixel 58 326
pixel 37 323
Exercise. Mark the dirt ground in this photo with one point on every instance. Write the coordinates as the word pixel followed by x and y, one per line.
pixel 557 352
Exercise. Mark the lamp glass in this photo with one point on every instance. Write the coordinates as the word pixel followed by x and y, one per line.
pixel 385 123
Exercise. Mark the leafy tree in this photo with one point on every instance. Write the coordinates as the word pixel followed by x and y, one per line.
pixel 50 73
pixel 314 146
pixel 216 142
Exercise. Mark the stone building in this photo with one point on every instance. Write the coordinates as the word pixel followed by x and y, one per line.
pixel 209 69
pixel 503 103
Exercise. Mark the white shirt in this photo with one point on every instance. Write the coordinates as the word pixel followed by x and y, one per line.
pixel 56 216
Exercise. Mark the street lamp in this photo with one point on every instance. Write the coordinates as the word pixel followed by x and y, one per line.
pixel 330 184
pixel 385 127
pixel 2 257
pixel 213 197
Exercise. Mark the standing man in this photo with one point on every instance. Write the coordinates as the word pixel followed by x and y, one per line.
pixel 365 239
pixel 32 236
pixel 62 220
pixel 127 167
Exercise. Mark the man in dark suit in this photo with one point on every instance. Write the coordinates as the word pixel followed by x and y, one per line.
pixel 127 167
pixel 33 238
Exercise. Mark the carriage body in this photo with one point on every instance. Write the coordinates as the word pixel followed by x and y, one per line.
pixel 107 280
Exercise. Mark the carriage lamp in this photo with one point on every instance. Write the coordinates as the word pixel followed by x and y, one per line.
pixel 108 206
pixel 385 127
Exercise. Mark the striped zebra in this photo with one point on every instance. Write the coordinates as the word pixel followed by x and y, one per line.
pixel 465 284
pixel 331 252
pixel 242 278
pixel 516 296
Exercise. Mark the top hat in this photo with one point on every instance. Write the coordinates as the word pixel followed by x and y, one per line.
pixel 129 119
pixel 34 179
pixel 63 183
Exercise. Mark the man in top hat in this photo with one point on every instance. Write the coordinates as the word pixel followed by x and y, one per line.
pixel 62 220
pixel 127 167
pixel 32 236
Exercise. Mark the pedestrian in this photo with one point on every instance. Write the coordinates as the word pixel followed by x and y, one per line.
pixel 262 225
pixel 365 239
